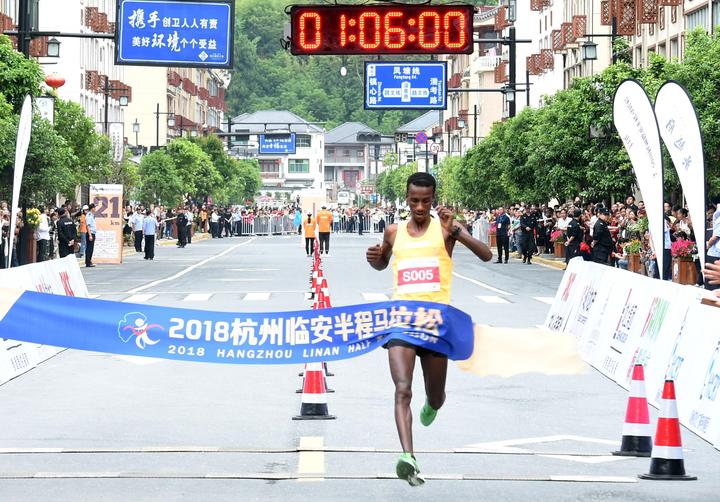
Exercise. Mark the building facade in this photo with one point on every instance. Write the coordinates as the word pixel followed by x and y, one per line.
pixel 354 156
pixel 285 174
pixel 173 102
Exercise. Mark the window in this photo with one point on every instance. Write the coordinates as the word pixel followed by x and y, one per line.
pixel 269 166
pixel 361 154
pixel 303 141
pixel 662 51
pixel 298 165
pixel 674 48
pixel 346 152
pixel 697 18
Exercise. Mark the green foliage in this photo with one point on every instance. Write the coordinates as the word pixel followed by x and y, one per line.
pixel 392 183
pixel 92 150
pixel 19 76
pixel 240 179
pixel 161 183
pixel 195 168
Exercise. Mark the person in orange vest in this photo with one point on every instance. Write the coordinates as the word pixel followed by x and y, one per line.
pixel 309 225
pixel 325 221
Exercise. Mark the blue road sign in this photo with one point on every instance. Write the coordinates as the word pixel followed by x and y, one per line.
pixel 277 143
pixel 175 33
pixel 421 138
pixel 405 85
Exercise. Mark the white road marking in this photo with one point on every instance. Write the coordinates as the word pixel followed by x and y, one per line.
pixel 545 299
pixel 311 462
pixel 231 279
pixel 190 268
pixel 197 297
pixel 600 459
pixel 139 298
pixel 483 285
pixel 254 269
pixel 492 299
pixel 140 361
pixel 256 297
pixel 375 297
pixel 510 445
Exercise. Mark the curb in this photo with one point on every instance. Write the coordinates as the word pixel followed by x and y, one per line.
pixel 546 262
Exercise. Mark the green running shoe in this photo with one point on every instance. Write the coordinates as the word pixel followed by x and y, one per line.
pixel 408 470
pixel 427 414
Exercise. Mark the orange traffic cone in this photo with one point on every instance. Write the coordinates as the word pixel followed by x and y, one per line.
pixel 314 397
pixel 667 455
pixel 637 432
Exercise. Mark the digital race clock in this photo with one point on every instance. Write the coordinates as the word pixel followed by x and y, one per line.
pixel 381 29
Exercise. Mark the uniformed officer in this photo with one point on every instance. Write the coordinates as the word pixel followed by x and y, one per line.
pixel 575 234
pixel 602 244
pixel 527 237
pixel 67 233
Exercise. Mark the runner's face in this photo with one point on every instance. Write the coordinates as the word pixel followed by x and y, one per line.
pixel 420 200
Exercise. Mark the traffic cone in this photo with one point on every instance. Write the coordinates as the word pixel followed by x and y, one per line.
pixel 637 432
pixel 667 455
pixel 314 397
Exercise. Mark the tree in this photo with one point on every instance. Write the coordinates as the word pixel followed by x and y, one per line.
pixel 91 149
pixel 240 179
pixel 160 181
pixel 198 175
pixel 19 76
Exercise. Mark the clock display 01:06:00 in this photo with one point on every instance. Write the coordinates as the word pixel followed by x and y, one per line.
pixel 392 29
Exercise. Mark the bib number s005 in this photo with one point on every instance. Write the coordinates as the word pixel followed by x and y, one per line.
pixel 420 275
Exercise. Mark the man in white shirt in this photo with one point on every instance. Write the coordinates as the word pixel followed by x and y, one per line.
pixel 713 244
pixel 563 221
pixel 136 222
pixel 42 236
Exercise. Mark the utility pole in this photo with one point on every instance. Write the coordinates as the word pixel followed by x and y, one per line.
pixel 513 69
pixel 474 125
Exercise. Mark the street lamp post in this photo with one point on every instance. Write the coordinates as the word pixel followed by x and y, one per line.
pixel 136 130
pixel 170 123
pixel 123 100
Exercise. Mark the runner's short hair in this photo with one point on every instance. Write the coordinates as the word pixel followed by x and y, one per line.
pixel 421 180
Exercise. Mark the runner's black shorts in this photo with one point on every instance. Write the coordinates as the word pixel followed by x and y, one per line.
pixel 420 351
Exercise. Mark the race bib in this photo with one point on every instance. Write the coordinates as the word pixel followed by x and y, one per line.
pixel 418 275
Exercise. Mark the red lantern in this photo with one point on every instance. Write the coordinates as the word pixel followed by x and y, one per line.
pixel 55 81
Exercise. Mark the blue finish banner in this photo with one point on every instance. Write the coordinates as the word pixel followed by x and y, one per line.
pixel 405 85
pixel 175 33
pixel 226 337
pixel 277 143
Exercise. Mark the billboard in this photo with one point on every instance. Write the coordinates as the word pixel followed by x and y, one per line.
pixel 197 33
pixel 277 143
pixel 108 200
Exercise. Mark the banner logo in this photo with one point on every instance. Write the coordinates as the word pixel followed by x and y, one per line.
pixel 135 324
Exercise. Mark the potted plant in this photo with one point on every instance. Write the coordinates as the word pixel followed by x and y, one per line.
pixel 493 234
pixel 633 249
pixel 32 221
pixel 558 237
pixel 684 271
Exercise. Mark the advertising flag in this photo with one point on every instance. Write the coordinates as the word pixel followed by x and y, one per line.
pixel 21 148
pixel 680 130
pixel 635 121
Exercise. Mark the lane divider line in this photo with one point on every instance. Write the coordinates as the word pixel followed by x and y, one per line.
pixel 191 267
pixel 268 476
pixel 483 285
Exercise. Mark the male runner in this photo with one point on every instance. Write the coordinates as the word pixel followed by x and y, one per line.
pixel 422 243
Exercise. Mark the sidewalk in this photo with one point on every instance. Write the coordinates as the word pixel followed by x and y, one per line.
pixel 546 260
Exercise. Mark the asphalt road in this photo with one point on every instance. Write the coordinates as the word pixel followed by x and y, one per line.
pixel 88 426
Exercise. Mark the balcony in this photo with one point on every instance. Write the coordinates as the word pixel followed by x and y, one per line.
pixel 174 78
pixel 189 87
pixel 455 81
pixel 451 124
pixel 485 63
